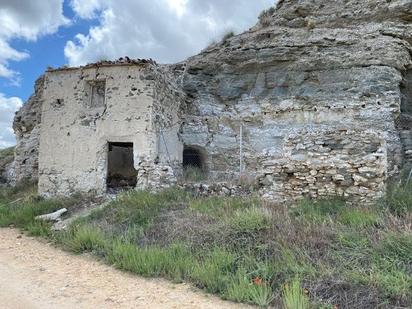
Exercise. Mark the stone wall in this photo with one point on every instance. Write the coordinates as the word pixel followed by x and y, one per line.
pixel 333 162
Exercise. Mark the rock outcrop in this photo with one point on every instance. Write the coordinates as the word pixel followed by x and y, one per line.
pixel 27 129
pixel 316 86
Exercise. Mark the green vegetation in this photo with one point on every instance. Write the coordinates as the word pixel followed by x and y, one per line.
pixel 399 198
pixel 194 174
pixel 227 36
pixel 314 255
pixel 6 153
pixel 20 205
pixel 294 296
pixel 6 157
pixel 266 15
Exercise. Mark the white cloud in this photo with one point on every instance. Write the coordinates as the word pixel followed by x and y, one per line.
pixel 26 19
pixel 165 30
pixel 85 9
pixel 8 106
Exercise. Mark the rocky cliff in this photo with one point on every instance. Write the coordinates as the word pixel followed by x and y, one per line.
pixel 317 86
pixel 26 126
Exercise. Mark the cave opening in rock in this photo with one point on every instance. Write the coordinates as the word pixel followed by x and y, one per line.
pixel 120 166
pixel 194 163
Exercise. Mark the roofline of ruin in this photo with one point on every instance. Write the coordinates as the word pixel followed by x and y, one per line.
pixel 120 62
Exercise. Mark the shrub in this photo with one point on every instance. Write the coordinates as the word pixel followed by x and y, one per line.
pixel 227 36
pixel 265 16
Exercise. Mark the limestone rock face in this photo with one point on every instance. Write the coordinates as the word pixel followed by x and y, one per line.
pixel 316 86
pixel 26 126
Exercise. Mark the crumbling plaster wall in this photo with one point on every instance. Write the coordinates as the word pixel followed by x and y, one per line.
pixel 163 170
pixel 318 96
pixel 74 136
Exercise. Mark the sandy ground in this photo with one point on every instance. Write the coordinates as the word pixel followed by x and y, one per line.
pixel 34 274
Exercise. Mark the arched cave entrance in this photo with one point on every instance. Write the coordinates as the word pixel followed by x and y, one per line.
pixel 194 163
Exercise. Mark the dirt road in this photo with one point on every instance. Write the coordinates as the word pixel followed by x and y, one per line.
pixel 34 274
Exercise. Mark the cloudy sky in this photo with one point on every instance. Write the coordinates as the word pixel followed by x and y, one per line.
pixel 35 34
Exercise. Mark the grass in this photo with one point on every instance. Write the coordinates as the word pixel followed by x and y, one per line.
pixel 82 238
pixel 359 217
pixel 318 254
pixel 218 207
pixel 294 296
pixel 399 198
pixel 194 174
pixel 249 220
pixel 20 205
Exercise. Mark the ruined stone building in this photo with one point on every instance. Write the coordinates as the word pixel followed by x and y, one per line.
pixel 322 91
pixel 100 119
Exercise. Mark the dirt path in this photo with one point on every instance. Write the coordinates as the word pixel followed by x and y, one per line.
pixel 34 274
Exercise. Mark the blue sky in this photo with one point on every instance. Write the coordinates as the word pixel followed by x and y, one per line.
pixel 46 51
pixel 35 34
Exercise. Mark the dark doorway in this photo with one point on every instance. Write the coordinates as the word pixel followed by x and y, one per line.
pixel 194 167
pixel 192 158
pixel 120 169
